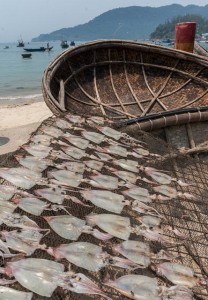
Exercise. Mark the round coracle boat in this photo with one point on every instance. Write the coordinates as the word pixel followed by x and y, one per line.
pixel 124 79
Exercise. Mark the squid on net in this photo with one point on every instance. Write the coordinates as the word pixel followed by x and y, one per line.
pixel 34 163
pixel 26 241
pixel 76 141
pixel 70 227
pixel 42 139
pixel 172 193
pixel 21 177
pixel 160 177
pixel 68 178
pixel 119 226
pixel 89 256
pixel 7 191
pixel 138 287
pixel 7 293
pixel 136 251
pixel 115 202
pixel 178 292
pixel 38 150
pixel 92 136
pixel 52 131
pixel 35 206
pixel 37 275
pixel 178 274
pixel 52 194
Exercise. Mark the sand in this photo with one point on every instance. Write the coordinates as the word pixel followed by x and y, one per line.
pixel 18 121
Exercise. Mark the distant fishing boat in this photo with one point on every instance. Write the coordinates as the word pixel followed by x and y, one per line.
pixel 26 55
pixel 6 47
pixel 40 49
pixel 20 42
pixel 64 44
pixel 72 43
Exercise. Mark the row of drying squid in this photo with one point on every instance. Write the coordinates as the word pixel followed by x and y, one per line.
pixel 114 193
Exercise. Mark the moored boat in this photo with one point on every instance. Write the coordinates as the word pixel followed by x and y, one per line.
pixel 64 44
pixel 26 55
pixel 40 49
pixel 20 42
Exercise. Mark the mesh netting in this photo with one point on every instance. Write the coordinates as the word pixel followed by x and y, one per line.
pixel 189 217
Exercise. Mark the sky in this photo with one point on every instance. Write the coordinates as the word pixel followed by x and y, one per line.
pixel 30 18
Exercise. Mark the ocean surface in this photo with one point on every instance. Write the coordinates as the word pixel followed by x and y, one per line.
pixel 21 78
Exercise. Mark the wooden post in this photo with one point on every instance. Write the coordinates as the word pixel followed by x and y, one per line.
pixel 184 36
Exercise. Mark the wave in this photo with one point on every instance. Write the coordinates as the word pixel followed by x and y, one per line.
pixel 25 97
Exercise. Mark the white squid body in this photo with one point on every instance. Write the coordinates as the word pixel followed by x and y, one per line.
pixel 76 141
pixel 105 199
pixel 73 166
pixel 125 175
pixel 160 177
pixel 37 275
pixel 7 293
pixel 32 205
pixel 136 251
pixel 116 135
pixel 82 254
pixel 94 164
pixel 104 181
pixel 67 177
pixel 6 208
pixel 127 164
pixel 166 190
pixel 137 287
pixel 116 150
pixel 177 274
pixel 94 137
pixel 34 163
pixel 138 193
pixel 115 225
pixel 38 150
pixel 21 177
pixel 178 293
pixel 54 195
pixel 52 131
pixel 26 241
pixel 7 191
pixel 74 152
pixel 42 139
pixel 68 227
pixel 20 221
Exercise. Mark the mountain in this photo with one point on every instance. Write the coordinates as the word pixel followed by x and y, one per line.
pixel 133 22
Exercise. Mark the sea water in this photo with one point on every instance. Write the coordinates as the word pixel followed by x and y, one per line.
pixel 22 77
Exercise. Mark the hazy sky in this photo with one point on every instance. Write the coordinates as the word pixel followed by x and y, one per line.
pixel 30 18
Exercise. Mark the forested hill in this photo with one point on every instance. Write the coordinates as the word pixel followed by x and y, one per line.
pixel 133 22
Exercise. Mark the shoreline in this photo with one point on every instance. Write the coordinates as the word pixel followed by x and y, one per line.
pixel 19 119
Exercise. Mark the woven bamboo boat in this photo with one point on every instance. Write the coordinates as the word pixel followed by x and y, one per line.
pixel 132 83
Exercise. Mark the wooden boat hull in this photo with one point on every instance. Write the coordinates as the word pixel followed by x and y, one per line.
pixel 124 79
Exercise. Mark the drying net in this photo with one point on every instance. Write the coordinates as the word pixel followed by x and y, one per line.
pixel 184 221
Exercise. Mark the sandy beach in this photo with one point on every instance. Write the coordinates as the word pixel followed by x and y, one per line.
pixel 18 120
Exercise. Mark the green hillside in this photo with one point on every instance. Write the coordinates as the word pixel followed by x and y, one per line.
pixel 133 22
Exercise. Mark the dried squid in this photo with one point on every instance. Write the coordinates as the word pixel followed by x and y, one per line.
pixel 37 275
pixel 70 227
pixel 178 274
pixel 7 293
pixel 26 241
pixel 137 287
pixel 21 177
pixel 136 251
pixel 89 256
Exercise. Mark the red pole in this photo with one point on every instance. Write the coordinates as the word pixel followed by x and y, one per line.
pixel 184 36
